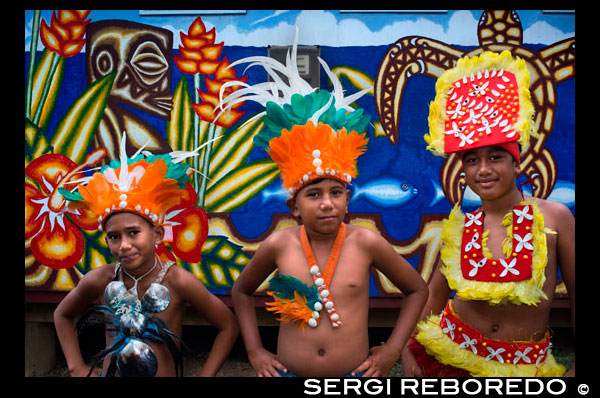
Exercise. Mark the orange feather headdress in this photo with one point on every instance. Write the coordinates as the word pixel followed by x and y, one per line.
pixel 310 152
pixel 145 184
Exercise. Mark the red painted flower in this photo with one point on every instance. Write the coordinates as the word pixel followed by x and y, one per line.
pixel 199 53
pixel 206 109
pixel 65 35
pixel 186 227
pixel 56 240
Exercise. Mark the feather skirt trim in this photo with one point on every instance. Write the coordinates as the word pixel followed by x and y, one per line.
pixel 447 352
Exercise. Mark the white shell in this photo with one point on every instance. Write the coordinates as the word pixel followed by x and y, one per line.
pixel 319 281
pixel 123 204
pixel 329 305
pixel 317 162
pixel 324 293
pixel 335 317
pixel 312 322
pixel 316 315
pixel 319 171
pixel 318 306
pixel 314 270
pixel 316 153
pixel 123 197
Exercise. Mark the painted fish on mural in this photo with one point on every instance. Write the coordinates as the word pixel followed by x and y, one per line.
pixel 278 194
pixel 438 193
pixel 387 191
pixel 563 192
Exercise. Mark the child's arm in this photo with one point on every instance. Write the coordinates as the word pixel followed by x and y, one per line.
pixel 414 289
pixel 566 257
pixel 263 362
pixel 216 313
pixel 439 292
pixel 74 303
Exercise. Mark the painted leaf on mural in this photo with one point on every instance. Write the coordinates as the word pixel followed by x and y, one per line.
pixel 36 143
pixel 232 150
pixel 43 76
pixel 75 131
pixel 356 77
pixel 240 185
pixel 95 252
pixel 179 127
pixel 222 262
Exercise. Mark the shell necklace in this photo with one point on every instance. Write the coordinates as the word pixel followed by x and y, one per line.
pixel 323 281
pixel 135 280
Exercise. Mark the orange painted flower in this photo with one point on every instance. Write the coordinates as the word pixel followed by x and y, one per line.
pixel 206 109
pixel 65 35
pixel 54 229
pixel 199 53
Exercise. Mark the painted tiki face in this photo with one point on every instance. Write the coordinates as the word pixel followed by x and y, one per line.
pixel 141 55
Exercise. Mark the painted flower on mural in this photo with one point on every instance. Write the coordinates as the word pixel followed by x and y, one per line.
pixel 186 229
pixel 200 56
pixel 210 98
pixel 66 34
pixel 199 53
pixel 54 229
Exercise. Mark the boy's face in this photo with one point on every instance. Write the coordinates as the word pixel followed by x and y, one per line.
pixel 132 239
pixel 490 171
pixel 321 205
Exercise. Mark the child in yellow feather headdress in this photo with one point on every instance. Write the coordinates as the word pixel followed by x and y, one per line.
pixel 321 290
pixel 141 299
pixel 502 259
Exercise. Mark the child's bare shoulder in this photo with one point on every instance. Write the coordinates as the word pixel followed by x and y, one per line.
pixel 282 237
pixel 104 272
pixel 97 278
pixel 554 212
pixel 364 236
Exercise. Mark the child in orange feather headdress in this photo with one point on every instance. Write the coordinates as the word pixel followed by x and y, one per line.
pixel 142 299
pixel 321 290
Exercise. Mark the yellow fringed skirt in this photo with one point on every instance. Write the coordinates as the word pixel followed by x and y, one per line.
pixel 452 342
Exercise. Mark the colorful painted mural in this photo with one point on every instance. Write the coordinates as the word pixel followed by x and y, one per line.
pixel 93 75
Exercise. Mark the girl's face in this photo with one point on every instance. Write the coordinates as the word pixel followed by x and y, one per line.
pixel 131 240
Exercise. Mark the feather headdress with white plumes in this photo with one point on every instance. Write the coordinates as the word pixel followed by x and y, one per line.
pixel 145 184
pixel 309 134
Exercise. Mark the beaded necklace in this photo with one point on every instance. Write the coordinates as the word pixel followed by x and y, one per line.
pixel 323 281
